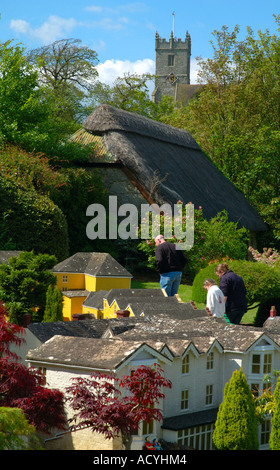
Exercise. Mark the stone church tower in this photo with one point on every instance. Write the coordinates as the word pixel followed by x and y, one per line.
pixel 172 66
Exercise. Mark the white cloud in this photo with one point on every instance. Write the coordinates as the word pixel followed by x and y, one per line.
pixel 54 28
pixel 110 70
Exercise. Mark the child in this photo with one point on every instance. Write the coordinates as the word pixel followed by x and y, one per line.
pixel 215 298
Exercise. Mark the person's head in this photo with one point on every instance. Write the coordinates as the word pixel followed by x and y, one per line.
pixel 159 239
pixel 209 283
pixel 221 269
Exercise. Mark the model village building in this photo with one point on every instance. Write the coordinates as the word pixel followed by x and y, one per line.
pixel 196 352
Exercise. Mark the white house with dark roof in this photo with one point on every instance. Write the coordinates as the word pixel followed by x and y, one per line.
pixel 197 354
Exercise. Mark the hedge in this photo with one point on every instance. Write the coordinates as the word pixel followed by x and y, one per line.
pixel 262 281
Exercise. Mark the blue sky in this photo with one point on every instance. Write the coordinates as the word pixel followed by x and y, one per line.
pixel 122 32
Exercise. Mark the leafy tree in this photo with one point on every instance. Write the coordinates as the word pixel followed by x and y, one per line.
pixel 54 304
pixel 15 431
pixel 236 424
pixel 235 116
pixel 23 284
pixel 99 404
pixel 21 102
pixel 67 69
pixel 24 388
pixel 129 92
pixel 274 441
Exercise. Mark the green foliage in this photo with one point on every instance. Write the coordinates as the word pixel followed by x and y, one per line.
pixel 23 285
pixel 214 239
pixel 15 431
pixel 54 304
pixel 129 92
pixel 274 441
pixel 235 116
pixel 59 197
pixel 262 282
pixel 30 221
pixel 236 424
pixel 21 102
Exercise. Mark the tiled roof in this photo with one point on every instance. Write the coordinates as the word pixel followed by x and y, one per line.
pixel 92 263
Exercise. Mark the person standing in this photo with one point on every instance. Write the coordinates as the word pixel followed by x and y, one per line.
pixel 215 298
pixel 170 263
pixel 234 290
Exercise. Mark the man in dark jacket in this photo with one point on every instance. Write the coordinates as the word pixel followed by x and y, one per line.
pixel 234 291
pixel 170 263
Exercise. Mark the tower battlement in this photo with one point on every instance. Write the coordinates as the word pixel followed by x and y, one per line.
pixel 172 65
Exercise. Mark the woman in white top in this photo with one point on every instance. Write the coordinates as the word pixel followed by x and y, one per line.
pixel 215 298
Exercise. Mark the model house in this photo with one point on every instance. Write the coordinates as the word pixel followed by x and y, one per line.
pixel 198 354
pixel 83 273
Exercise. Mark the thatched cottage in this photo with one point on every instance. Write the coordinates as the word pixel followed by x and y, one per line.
pixel 146 161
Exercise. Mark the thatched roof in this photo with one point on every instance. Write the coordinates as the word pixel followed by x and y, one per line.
pixel 170 165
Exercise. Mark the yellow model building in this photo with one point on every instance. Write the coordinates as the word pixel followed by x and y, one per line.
pixel 83 273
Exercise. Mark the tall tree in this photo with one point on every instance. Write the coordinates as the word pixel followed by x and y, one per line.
pixel 68 70
pixel 129 92
pixel 235 116
pixel 54 304
pixel 236 424
pixel 21 103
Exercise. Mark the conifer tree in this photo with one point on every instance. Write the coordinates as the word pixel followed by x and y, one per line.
pixel 274 441
pixel 54 303
pixel 236 424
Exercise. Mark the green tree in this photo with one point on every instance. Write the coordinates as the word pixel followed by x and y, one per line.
pixel 274 441
pixel 129 92
pixel 54 304
pixel 23 285
pixel 15 431
pixel 236 424
pixel 68 70
pixel 21 103
pixel 235 116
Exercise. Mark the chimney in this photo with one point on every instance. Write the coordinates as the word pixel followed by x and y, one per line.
pixel 26 320
pixel 273 311
pixel 122 313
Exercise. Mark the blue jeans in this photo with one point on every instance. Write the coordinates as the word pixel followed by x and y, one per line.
pixel 170 282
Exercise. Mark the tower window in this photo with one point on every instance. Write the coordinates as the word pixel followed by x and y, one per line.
pixel 171 60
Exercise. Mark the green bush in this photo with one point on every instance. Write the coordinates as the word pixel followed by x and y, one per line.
pixel 29 221
pixel 262 282
pixel 236 425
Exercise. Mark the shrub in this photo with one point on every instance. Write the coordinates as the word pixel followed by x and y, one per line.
pixel 29 221
pixel 236 424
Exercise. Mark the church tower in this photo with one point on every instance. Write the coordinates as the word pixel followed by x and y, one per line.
pixel 172 65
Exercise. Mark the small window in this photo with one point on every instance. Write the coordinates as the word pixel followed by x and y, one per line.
pixel 64 278
pixel 186 364
pixel 267 363
pixel 210 361
pixel 209 395
pixel 184 399
pixel 256 363
pixel 171 60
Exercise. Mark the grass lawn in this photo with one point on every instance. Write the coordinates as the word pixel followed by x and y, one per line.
pixel 185 292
